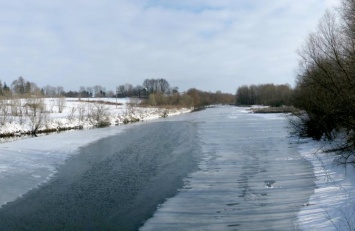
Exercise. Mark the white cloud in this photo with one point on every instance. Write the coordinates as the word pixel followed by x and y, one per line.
pixel 203 43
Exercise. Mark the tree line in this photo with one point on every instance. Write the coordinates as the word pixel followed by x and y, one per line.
pixel 264 94
pixel 191 98
pixel 21 87
pixel 325 87
pixel 158 92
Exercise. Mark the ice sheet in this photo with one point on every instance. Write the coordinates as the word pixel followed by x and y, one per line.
pixel 27 163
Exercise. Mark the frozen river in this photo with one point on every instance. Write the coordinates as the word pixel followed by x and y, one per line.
pixel 217 169
pixel 251 177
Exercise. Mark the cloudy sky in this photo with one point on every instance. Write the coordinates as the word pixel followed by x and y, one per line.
pixel 208 44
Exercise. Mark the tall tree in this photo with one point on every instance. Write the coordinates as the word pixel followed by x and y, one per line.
pixel 156 85
pixel 18 85
pixel 163 85
pixel 99 91
pixel 325 87
pixel 27 88
pixel 6 90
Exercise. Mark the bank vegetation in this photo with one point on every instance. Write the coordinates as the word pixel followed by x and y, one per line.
pixel 191 98
pixel 325 88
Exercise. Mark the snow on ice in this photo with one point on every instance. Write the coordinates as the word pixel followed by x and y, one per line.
pixel 29 162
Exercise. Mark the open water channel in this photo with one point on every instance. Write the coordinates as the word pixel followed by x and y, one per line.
pixel 217 169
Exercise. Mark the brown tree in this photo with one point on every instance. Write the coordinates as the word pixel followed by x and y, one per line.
pixel 325 87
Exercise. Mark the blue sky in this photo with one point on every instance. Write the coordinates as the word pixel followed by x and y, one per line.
pixel 208 44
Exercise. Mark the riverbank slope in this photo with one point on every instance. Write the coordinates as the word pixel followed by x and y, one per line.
pixel 74 113
pixel 332 206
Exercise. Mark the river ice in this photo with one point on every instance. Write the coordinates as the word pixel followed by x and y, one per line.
pixel 27 163
pixel 331 205
pixel 251 177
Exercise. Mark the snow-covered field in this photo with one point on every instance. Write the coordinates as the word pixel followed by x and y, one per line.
pixel 75 113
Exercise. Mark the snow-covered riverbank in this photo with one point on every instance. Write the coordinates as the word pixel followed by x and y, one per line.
pixel 74 113
pixel 31 163
pixel 332 206
pixel 27 163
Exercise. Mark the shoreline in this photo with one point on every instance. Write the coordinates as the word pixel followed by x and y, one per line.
pixel 51 121
pixel 38 160
pixel 102 187
pixel 332 205
pixel 328 207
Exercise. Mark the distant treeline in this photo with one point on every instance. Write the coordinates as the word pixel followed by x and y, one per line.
pixel 157 92
pixel 21 87
pixel 264 94
pixel 190 98
pixel 203 98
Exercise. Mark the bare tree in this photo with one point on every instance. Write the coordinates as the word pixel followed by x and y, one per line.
pixel 156 85
pixel 15 104
pixel 98 114
pixel 81 111
pixel 325 87
pixel 163 85
pixel 59 90
pixel 71 115
pixel 99 91
pixel 37 116
pixel 90 91
pixel 18 85
pixel 35 104
pixel 4 110
pixel 128 89
pixel 50 91
pixel 38 120
pixel 61 101
pixel 121 91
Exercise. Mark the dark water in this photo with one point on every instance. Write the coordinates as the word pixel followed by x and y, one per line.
pixel 113 184
pixel 222 169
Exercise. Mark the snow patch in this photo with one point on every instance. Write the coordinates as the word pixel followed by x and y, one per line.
pixel 26 164
pixel 332 206
pixel 118 112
